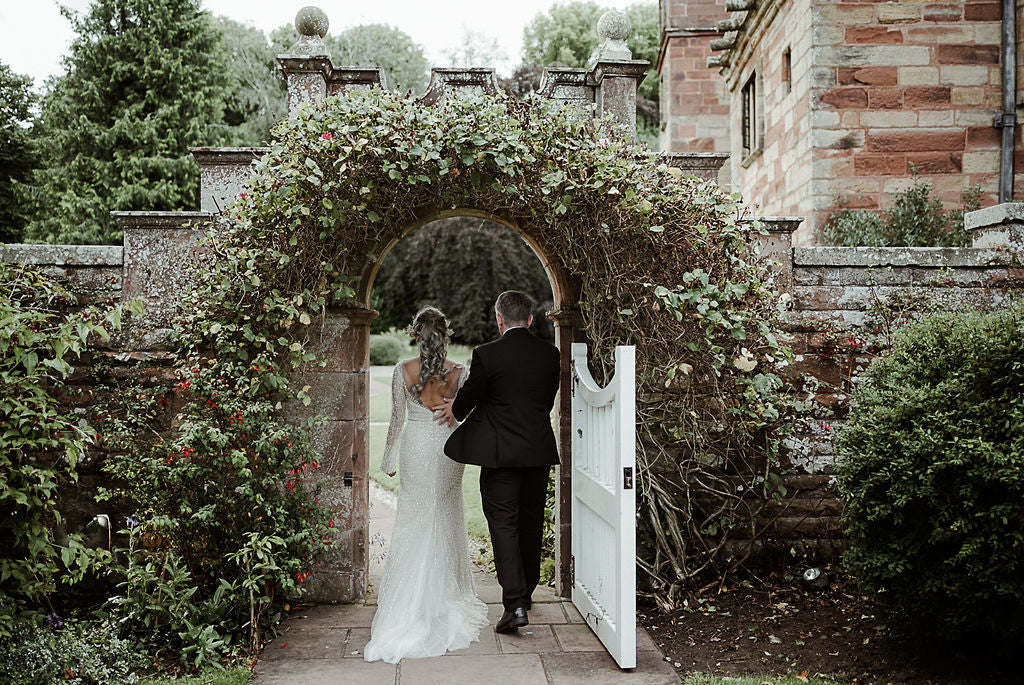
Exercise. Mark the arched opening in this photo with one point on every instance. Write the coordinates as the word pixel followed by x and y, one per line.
pixel 550 321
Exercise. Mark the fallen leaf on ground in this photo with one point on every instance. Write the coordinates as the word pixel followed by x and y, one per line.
pixel 802 676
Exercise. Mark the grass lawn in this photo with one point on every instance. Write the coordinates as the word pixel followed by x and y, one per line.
pixel 380 412
pixel 231 676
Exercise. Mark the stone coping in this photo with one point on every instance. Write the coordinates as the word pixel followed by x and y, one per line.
pixel 160 220
pixel 1007 212
pixel 63 255
pixel 900 256
pixel 227 156
pixel 692 160
pixel 776 224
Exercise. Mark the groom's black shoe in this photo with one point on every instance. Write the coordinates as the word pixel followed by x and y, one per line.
pixel 511 621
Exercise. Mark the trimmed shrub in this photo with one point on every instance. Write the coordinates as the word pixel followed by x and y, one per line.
pixel 916 219
pixel 386 349
pixel 933 476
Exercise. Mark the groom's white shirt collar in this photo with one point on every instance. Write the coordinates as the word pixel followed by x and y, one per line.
pixel 511 328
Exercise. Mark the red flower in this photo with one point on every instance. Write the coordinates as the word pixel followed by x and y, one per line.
pixel 327 136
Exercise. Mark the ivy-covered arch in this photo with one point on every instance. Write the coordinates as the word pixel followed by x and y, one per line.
pixel 638 253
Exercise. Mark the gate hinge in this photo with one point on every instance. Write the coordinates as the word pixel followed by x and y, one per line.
pixel 572 570
pixel 627 477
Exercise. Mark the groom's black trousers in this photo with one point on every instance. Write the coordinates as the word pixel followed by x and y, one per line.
pixel 513 502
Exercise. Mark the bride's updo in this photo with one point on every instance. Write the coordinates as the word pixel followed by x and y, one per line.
pixel 430 329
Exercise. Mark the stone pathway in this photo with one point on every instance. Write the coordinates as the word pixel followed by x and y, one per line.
pixel 324 644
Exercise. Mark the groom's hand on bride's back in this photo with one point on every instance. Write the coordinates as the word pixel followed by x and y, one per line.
pixel 443 413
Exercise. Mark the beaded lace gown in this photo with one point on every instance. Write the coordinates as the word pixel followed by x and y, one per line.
pixel 426 602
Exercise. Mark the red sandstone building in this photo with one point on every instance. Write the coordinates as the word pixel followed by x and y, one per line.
pixel 816 100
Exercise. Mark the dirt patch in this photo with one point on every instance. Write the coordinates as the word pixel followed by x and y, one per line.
pixel 835 632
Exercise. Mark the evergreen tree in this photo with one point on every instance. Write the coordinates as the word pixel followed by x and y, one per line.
pixel 142 85
pixel 17 156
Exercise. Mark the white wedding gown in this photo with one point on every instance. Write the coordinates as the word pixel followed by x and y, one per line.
pixel 426 602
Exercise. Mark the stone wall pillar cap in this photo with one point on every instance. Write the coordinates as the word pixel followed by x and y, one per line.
pixel 613 28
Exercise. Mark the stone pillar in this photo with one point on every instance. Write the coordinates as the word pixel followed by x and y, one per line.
pixel 614 73
pixel 160 251
pixel 1001 225
pixel 307 64
pixel 339 391
pixel 223 172
pixel 777 247
pixel 568 329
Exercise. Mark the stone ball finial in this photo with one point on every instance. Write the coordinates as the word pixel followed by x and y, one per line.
pixel 613 29
pixel 613 25
pixel 311 21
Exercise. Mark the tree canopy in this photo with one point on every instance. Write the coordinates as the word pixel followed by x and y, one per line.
pixel 459 265
pixel 17 155
pixel 141 87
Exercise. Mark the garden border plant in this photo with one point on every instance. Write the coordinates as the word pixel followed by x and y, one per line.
pixel 662 261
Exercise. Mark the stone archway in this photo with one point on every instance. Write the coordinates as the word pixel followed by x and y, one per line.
pixel 340 388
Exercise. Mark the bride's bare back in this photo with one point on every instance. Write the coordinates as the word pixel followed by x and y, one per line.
pixel 436 390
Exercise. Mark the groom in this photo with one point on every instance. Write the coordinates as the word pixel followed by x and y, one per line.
pixel 508 399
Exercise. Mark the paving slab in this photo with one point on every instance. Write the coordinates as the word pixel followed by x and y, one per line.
pixel 307 644
pixel 577 637
pixel 597 668
pixel 331 616
pixel 473 670
pixel 333 671
pixel 532 639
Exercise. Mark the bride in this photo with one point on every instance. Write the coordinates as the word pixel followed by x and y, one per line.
pixel 426 604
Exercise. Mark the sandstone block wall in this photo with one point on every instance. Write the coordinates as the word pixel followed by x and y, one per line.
pixel 694 99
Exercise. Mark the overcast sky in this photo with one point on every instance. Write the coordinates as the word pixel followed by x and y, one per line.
pixel 34 35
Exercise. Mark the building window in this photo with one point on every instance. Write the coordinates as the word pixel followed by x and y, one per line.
pixel 751 139
pixel 787 70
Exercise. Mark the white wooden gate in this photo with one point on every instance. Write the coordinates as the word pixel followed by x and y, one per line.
pixel 604 502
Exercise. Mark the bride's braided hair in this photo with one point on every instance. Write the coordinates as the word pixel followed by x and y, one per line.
pixel 430 329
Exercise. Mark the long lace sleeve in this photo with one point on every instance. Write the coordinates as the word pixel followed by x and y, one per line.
pixel 387 464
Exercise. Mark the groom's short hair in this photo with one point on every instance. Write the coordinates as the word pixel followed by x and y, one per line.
pixel 514 307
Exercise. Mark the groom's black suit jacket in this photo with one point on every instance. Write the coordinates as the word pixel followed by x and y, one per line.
pixel 510 390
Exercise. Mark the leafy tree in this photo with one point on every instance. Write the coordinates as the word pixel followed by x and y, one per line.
pixel 17 156
pixel 142 85
pixel 459 265
pixel 566 35
pixel 255 97
pixel 370 45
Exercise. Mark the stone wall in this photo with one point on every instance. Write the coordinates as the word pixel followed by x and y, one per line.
pixel 694 100
pixel 776 176
pixel 847 302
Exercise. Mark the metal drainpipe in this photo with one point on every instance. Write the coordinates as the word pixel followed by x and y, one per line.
pixel 1008 119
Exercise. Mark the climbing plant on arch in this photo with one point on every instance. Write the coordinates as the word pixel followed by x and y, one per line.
pixel 650 257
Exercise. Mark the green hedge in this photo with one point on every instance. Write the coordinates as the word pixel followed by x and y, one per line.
pixel 387 348
pixel 933 475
